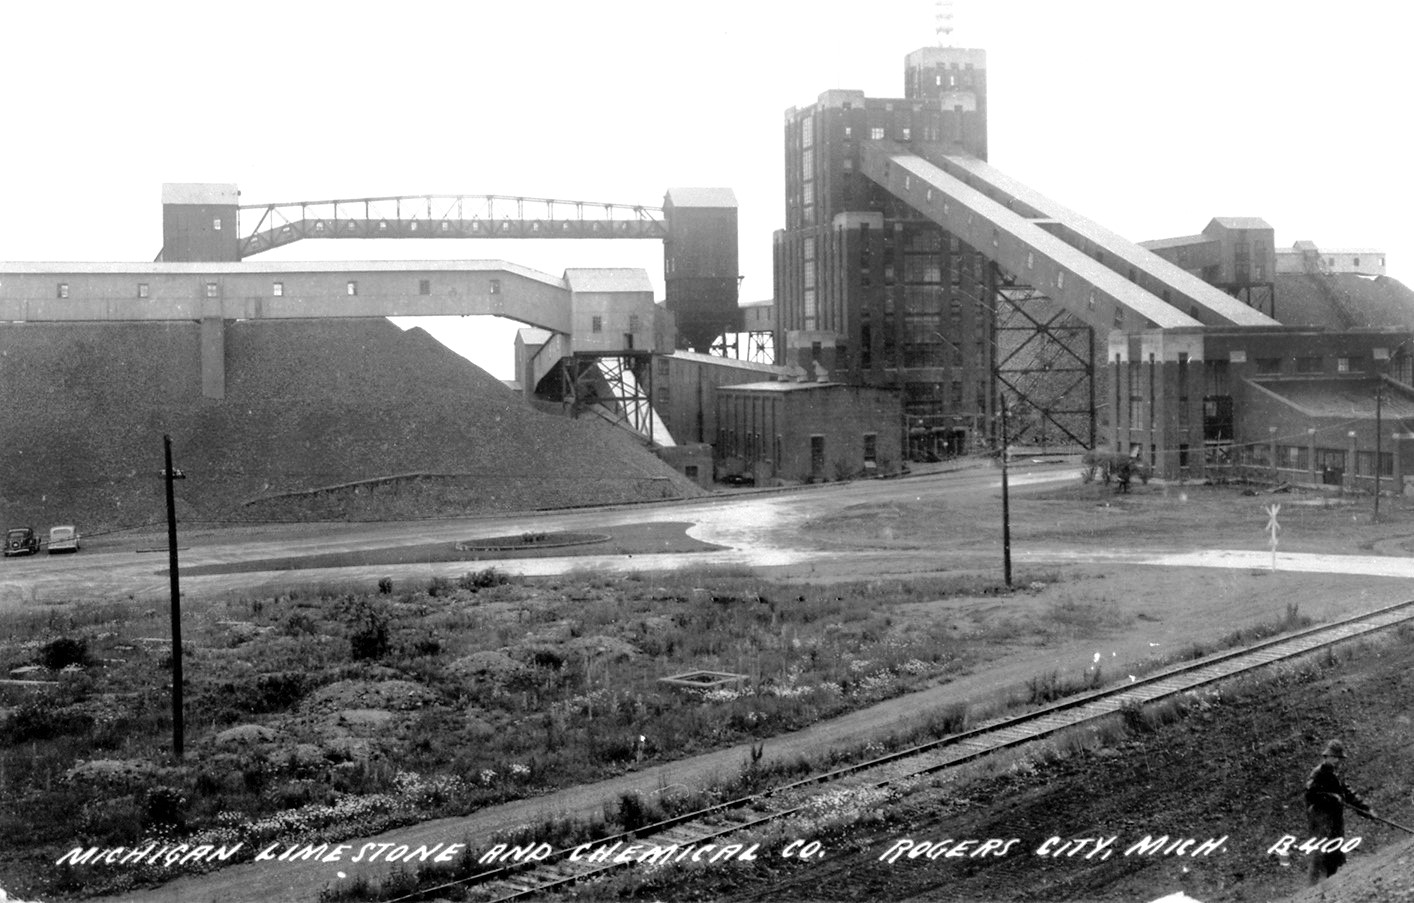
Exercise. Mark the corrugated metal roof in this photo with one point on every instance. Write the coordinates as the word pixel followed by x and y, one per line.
pixel 702 197
pixel 616 279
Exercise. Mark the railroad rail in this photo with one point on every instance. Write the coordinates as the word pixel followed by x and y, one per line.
pixel 558 870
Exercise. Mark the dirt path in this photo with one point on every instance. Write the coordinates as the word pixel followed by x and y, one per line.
pixel 1202 605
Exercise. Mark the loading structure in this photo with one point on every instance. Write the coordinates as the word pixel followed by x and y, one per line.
pixel 908 261
pixel 698 228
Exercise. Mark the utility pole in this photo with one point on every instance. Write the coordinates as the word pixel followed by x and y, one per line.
pixel 1006 503
pixel 1379 455
pixel 169 474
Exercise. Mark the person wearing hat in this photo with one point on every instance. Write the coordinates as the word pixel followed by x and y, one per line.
pixel 1326 796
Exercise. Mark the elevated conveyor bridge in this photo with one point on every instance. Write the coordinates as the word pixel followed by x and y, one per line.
pixel 1104 280
pixel 445 216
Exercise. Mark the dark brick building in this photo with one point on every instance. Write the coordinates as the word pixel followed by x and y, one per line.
pixel 809 430
pixel 865 286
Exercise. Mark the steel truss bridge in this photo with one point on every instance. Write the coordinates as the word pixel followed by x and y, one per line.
pixel 445 216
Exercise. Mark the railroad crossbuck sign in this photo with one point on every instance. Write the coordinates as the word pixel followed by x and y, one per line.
pixel 1274 528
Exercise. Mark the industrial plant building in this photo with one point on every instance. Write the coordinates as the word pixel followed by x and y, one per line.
pixel 919 292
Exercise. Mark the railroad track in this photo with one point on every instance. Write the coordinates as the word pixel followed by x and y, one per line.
pixel 696 829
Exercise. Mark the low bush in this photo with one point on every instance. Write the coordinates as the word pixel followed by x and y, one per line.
pixel 59 654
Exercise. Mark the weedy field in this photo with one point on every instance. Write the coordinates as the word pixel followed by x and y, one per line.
pixel 333 711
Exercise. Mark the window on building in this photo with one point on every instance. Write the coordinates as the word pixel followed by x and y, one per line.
pixel 142 290
pixel 210 289
pixel 1119 317
pixel 424 286
pixel 596 324
pixel 877 133
pixel 871 449
pixel 905 134
pixel 1357 261
pixel 1183 454
pixel 1294 457
pixel 63 290
pixel 633 323
pixel 1309 364
pixel 352 288
pixel 1342 365
pixel 1268 366
pixel 495 286
pixel 216 224
pixel 277 289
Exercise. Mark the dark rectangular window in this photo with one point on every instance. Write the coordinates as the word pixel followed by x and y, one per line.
pixel 1268 365
pixel 596 324
pixel 424 286
pixel 1310 364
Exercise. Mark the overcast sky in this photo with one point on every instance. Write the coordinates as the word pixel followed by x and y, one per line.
pixel 1149 118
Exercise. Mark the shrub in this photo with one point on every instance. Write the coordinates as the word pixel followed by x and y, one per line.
pixel 59 654
pixel 43 719
pixel 634 813
pixel 368 639
pixel 483 579
pixel 164 807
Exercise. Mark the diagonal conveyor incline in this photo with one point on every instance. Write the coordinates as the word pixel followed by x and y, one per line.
pixel 1101 278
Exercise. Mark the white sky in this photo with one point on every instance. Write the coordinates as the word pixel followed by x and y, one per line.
pixel 1149 118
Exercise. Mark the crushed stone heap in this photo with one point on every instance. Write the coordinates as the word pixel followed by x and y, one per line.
pixel 322 420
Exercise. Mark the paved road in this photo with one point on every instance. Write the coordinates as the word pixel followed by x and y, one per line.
pixel 756 529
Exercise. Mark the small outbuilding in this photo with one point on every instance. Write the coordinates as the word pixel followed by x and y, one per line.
pixel 808 431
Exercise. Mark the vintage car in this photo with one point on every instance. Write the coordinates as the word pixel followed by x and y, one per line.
pixel 21 541
pixel 63 539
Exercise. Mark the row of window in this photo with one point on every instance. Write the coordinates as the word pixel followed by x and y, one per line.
pixel 1299 457
pixel 277 289
pixel 1310 364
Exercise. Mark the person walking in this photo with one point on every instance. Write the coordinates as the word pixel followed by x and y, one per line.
pixel 1326 796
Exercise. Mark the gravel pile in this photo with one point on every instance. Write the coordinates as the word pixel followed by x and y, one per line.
pixel 322 419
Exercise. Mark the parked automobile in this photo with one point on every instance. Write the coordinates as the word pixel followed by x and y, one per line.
pixel 63 539
pixel 21 541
